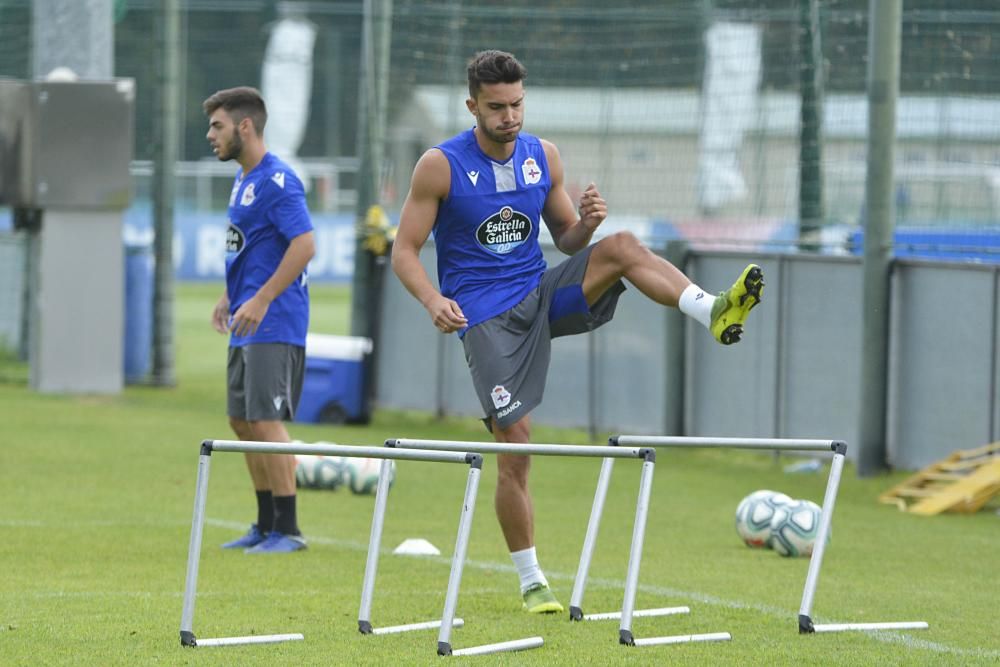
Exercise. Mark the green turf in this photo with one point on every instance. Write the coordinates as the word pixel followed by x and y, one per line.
pixel 97 495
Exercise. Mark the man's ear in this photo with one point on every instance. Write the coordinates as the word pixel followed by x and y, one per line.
pixel 470 104
pixel 245 125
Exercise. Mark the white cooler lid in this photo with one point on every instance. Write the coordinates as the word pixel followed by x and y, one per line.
pixel 327 346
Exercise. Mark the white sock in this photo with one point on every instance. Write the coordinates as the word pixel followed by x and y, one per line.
pixel 526 563
pixel 697 303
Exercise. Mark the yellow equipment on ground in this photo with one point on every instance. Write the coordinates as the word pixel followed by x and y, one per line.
pixel 963 482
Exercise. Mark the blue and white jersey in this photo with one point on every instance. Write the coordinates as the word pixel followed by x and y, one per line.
pixel 267 209
pixel 486 231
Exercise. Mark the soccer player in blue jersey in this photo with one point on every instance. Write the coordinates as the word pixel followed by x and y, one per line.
pixel 265 308
pixel 484 194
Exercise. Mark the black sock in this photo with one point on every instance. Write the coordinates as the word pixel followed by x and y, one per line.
pixel 284 515
pixel 265 512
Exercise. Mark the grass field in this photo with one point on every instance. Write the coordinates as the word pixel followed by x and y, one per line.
pixel 97 495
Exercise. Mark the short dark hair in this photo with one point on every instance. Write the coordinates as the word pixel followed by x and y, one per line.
pixel 494 67
pixel 242 102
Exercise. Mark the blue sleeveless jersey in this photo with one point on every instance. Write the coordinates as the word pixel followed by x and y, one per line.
pixel 486 231
pixel 267 209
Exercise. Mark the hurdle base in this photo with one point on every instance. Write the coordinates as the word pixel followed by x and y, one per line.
pixel 575 613
pixel 188 639
pixel 525 644
pixel 392 629
pixel 684 639
pixel 806 626
pixel 616 615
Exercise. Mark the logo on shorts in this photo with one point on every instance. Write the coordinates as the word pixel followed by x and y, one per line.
pixel 278 400
pixel 504 230
pixel 506 411
pixel 500 396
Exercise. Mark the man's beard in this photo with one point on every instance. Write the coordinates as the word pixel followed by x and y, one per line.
pixel 233 150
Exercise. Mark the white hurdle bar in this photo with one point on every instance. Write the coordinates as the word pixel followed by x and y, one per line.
pixel 839 449
pixel 187 635
pixel 608 453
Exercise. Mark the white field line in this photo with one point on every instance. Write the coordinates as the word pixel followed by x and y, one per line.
pixel 887 636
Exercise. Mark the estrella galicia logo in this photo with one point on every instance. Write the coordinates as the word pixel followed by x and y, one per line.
pixel 504 230
pixel 234 239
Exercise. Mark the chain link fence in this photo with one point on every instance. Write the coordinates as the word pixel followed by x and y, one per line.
pixel 688 115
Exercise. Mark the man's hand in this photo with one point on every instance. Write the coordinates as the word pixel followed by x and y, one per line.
pixel 446 314
pixel 248 316
pixel 593 209
pixel 220 315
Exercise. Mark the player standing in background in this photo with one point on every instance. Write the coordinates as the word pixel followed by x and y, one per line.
pixel 483 193
pixel 265 308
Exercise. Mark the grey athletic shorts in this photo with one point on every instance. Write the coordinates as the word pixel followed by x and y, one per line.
pixel 509 354
pixel 265 381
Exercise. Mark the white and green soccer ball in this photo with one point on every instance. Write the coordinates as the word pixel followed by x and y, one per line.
pixel 795 527
pixel 363 474
pixel 321 472
pixel 754 515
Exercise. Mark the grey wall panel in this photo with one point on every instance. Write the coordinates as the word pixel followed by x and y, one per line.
pixel 795 374
pixel 569 384
pixel 995 337
pixel 409 354
pixel 76 341
pixel 631 370
pixel 732 390
pixel 13 254
pixel 941 374
pixel 820 348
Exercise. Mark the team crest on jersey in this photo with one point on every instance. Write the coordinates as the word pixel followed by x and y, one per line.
pixel 531 171
pixel 500 396
pixel 504 230
pixel 234 239
pixel 248 195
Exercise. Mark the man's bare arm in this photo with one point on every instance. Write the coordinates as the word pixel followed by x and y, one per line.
pixel 430 184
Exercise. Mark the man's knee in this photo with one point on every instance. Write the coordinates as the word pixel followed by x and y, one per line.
pixel 242 428
pixel 519 431
pixel 267 430
pixel 613 254
pixel 623 244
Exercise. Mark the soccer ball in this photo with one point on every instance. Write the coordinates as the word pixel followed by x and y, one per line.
pixel 754 514
pixel 794 528
pixel 363 474
pixel 320 472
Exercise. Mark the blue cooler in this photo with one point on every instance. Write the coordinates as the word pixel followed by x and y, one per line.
pixel 334 384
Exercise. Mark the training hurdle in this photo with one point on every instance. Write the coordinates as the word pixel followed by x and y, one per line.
pixel 444 646
pixel 839 449
pixel 474 461
pixel 609 453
